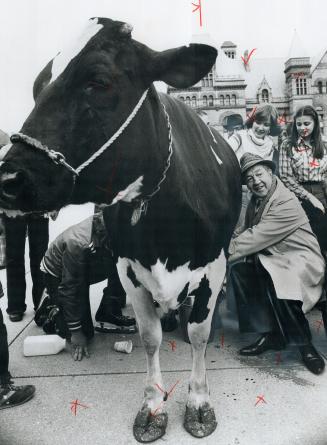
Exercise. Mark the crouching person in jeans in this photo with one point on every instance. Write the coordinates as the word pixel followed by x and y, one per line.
pixel 10 395
pixel 78 257
pixel 277 268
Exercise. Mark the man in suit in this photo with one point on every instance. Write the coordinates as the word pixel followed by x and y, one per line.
pixel 277 270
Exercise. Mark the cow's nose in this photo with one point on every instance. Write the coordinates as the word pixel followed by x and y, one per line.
pixel 11 185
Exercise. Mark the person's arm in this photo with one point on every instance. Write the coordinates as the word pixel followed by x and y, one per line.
pixel 73 271
pixel 235 141
pixel 287 176
pixel 279 222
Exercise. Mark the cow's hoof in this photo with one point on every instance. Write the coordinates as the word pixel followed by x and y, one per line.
pixel 200 422
pixel 149 427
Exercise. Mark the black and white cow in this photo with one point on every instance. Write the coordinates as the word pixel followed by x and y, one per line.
pixel 176 185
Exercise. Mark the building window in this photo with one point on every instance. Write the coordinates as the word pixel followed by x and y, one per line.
pixel 228 99
pixel 233 99
pixel 181 98
pixel 205 101
pixel 320 87
pixel 194 102
pixel 301 86
pixel 221 100
pixel 265 96
pixel 210 101
pixel 207 81
pixel 188 101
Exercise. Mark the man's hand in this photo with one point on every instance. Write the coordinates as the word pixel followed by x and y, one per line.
pixel 79 346
pixel 316 203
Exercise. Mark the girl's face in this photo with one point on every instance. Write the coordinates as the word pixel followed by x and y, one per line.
pixel 304 125
pixel 261 130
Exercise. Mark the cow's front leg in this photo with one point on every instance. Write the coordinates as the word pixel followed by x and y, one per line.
pixel 200 419
pixel 151 421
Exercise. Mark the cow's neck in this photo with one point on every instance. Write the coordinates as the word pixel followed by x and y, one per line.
pixel 147 138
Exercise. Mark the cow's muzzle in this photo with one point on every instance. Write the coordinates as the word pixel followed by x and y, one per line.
pixel 11 186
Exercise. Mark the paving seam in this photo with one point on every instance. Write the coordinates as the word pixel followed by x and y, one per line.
pixel 144 372
pixel 20 332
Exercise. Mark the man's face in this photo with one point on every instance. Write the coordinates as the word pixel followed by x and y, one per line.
pixel 259 179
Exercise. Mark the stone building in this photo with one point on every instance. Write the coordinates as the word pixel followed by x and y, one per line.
pixel 236 84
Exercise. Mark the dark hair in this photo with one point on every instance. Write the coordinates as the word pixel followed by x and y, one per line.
pixel 264 113
pixel 318 147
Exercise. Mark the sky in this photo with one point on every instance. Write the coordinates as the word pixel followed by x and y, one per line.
pixel 32 32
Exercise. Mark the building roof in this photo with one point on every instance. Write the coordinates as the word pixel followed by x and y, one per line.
pixel 228 44
pixel 317 59
pixel 271 69
pixel 204 38
pixel 297 49
pixel 4 138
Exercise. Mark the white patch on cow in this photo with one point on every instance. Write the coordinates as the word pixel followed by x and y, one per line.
pixel 213 138
pixel 13 213
pixel 164 286
pixel 130 192
pixel 62 60
pixel 216 156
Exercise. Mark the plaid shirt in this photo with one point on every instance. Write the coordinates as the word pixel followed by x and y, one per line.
pixel 300 167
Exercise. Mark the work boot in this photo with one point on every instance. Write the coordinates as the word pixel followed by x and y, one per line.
pixel 110 318
pixel 11 395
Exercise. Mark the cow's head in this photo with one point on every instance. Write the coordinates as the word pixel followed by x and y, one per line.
pixel 81 98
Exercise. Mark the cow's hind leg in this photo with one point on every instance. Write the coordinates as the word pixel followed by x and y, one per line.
pixel 151 421
pixel 200 419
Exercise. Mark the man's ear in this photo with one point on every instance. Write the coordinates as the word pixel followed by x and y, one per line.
pixel 183 67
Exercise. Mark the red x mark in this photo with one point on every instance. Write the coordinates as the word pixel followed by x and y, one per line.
pixel 278 358
pixel 297 75
pixel 198 7
pixel 260 399
pixel 165 397
pixel 314 163
pixel 108 187
pixel 172 344
pixel 74 405
pixel 222 340
pixel 282 119
pixel 248 58
pixel 319 323
pixel 250 117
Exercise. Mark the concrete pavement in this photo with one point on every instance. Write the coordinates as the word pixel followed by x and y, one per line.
pixel 266 400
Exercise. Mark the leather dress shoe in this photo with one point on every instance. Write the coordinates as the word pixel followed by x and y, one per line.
pixel 312 359
pixel 18 316
pixel 263 344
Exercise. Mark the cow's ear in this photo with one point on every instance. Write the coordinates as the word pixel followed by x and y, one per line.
pixel 183 67
pixel 42 80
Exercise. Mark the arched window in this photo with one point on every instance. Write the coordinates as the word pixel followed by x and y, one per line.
pixel 265 96
pixel 194 102
pixel 210 101
pixel 188 101
pixel 228 99
pixel 320 87
pixel 205 101
pixel 181 98
pixel 221 100
pixel 233 99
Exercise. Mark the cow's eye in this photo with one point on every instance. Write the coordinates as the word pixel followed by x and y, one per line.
pixel 96 86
